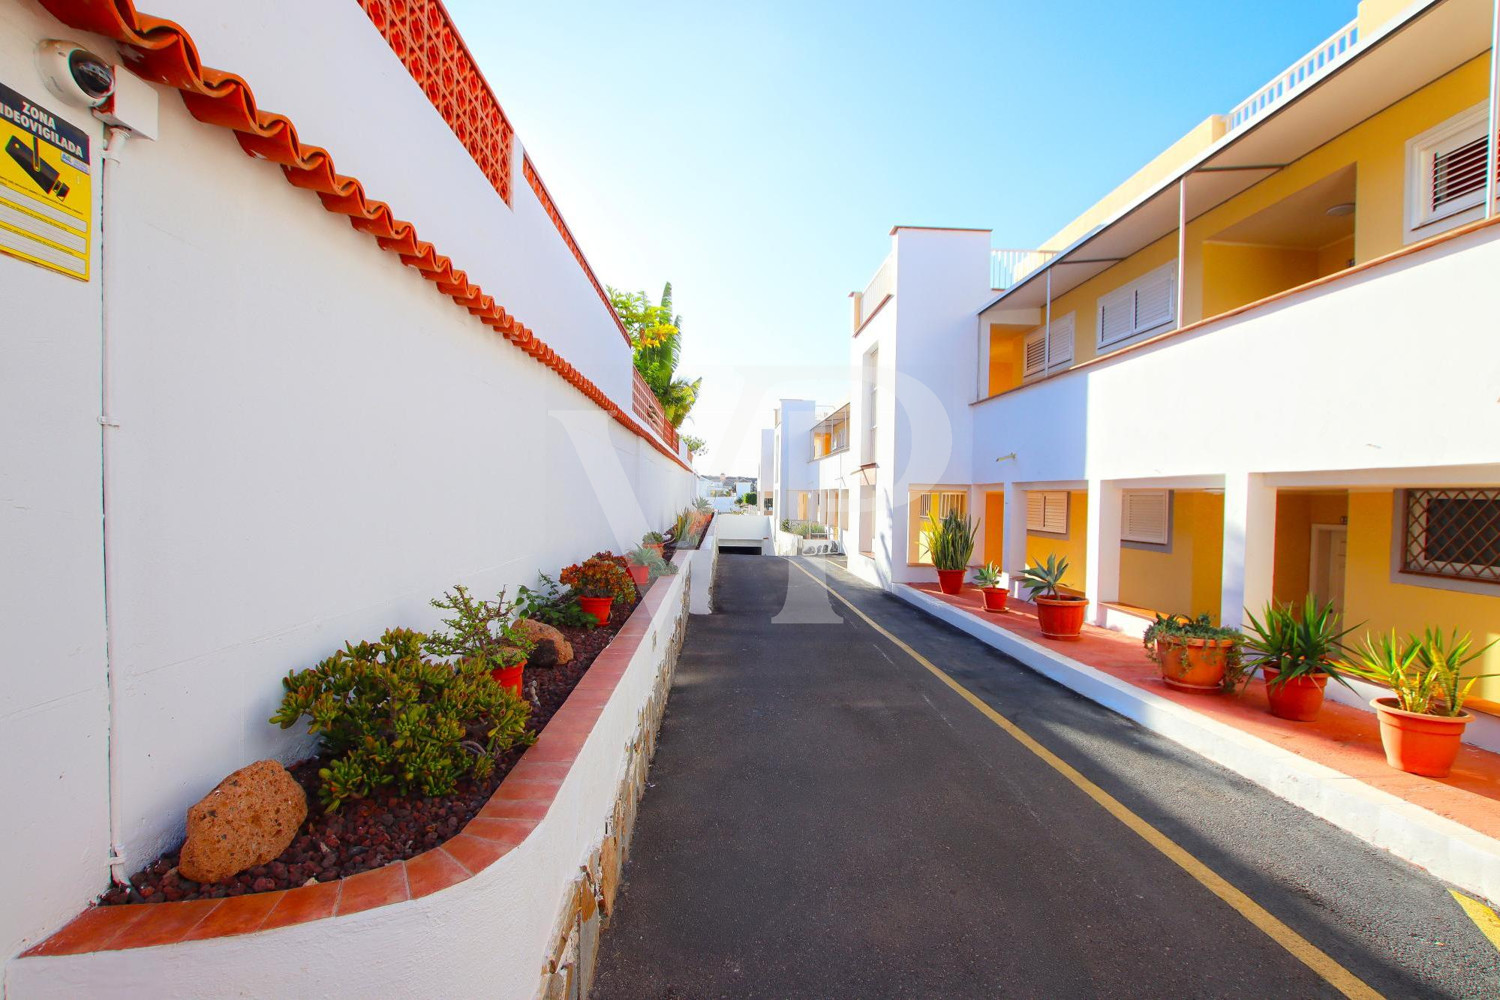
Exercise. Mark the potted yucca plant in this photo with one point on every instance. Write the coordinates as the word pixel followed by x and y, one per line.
pixel 987 579
pixel 1296 651
pixel 1060 615
pixel 1422 721
pixel 950 541
pixel 1194 654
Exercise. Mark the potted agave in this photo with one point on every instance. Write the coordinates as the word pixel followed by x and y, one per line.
pixel 1194 654
pixel 598 581
pixel 655 540
pixel 950 540
pixel 1059 614
pixel 1296 653
pixel 1422 721
pixel 987 579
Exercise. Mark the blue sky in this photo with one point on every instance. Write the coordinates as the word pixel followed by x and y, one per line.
pixel 757 155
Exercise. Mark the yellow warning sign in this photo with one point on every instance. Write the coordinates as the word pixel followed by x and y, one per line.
pixel 45 187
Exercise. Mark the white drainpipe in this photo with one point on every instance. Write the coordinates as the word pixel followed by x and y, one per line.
pixel 1492 157
pixel 118 871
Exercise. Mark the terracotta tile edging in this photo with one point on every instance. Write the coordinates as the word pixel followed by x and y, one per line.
pixel 162 51
pixel 513 812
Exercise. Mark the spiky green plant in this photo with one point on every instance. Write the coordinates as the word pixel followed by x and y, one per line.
pixel 950 539
pixel 987 575
pixel 1046 578
pixel 1297 642
pixel 1425 673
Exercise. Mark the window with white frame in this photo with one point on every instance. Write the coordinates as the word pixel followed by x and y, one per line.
pixel 1445 173
pixel 872 398
pixel 1042 356
pixel 1047 511
pixel 1146 305
pixel 1146 517
pixel 1453 534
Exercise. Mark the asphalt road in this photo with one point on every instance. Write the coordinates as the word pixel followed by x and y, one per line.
pixel 826 818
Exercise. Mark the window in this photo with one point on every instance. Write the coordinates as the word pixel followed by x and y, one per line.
pixel 1043 357
pixel 1445 173
pixel 871 372
pixel 1453 533
pixel 1047 511
pixel 921 504
pixel 1145 305
pixel 1146 517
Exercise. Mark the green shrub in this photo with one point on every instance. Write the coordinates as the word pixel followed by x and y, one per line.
pixel 479 630
pixel 387 715
pixel 549 604
pixel 748 498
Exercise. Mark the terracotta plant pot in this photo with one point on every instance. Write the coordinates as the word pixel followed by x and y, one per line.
pixel 597 606
pixel 1193 664
pixel 641 575
pixel 1416 743
pixel 995 598
pixel 660 547
pixel 510 677
pixel 1060 617
pixel 951 581
pixel 1299 699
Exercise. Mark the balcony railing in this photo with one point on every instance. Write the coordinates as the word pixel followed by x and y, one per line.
pixel 1310 67
pixel 646 406
pixel 880 288
pixel 1009 267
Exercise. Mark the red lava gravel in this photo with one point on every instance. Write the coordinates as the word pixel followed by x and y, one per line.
pixel 373 832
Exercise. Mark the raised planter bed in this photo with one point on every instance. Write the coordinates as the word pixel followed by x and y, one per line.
pixel 511 892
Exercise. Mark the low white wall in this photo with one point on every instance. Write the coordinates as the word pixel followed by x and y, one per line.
pixel 486 936
pixel 743 527
pixel 705 560
pixel 312 440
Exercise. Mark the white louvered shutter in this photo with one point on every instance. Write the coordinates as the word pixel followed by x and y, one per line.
pixel 1145 516
pixel 1116 316
pixel 1036 353
pixel 1156 298
pixel 1061 351
pixel 1458 173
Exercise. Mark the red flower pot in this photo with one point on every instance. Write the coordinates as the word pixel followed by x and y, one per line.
pixel 510 677
pixel 1193 664
pixel 1060 617
pixel 1416 743
pixel 995 598
pixel 597 606
pixel 950 581
pixel 1299 699
pixel 641 575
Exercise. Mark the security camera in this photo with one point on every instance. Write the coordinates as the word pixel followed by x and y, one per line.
pixel 78 76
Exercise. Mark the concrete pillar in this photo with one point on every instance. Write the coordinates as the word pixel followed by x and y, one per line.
pixel 1249 546
pixel 1102 574
pixel 1014 560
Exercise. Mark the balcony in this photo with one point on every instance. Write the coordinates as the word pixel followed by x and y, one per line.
pixel 1326 55
pixel 830 435
pixel 1009 267
pixel 880 288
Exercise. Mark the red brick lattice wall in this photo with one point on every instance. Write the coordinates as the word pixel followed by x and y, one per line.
pixel 648 408
pixel 424 39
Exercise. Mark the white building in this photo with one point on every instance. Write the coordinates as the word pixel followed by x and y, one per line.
pixel 1263 367
pixel 241 430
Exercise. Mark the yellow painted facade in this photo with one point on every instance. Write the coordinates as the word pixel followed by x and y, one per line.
pixel 1073 547
pixel 1220 275
pixel 1296 513
pixel 1371 596
pixel 1187 579
pixel 993 527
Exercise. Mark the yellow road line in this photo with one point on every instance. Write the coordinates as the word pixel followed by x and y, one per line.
pixel 1302 949
pixel 1489 923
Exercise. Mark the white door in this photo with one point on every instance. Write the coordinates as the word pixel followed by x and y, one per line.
pixel 1326 564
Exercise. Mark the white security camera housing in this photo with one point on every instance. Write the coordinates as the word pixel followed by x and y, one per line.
pixel 81 78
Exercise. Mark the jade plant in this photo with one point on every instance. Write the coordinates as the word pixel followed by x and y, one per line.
pixel 480 630
pixel 389 716
pixel 1425 673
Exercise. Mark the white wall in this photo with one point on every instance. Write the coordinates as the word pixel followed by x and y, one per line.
pixel 313 440
pixel 1348 376
pixel 53 699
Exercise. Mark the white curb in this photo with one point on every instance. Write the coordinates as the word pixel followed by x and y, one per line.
pixel 1447 849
